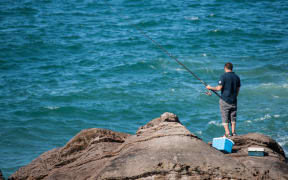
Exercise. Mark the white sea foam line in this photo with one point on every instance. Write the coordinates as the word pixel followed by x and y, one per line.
pixel 285 85
pixel 276 116
pixel 282 143
pixel 179 69
pixel 209 70
pixel 215 123
pixel 282 140
pixel 267 86
pixel 266 116
pixel 273 85
pixel 193 18
pixel 153 67
pixel 214 30
pixel 172 89
pixel 52 107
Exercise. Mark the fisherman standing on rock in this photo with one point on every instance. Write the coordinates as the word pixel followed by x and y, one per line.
pixel 229 84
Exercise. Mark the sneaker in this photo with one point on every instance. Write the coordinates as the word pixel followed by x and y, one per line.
pixel 226 135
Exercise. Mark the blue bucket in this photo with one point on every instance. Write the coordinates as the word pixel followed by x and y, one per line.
pixel 223 144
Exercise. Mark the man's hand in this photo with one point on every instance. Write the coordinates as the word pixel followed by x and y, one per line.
pixel 217 88
pixel 208 87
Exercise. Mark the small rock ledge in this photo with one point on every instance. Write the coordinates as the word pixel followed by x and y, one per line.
pixel 161 149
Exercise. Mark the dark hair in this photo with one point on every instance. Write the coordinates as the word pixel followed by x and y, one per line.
pixel 229 66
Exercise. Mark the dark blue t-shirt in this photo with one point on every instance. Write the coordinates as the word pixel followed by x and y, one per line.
pixel 230 82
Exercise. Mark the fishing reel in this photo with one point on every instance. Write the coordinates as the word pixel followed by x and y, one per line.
pixel 208 93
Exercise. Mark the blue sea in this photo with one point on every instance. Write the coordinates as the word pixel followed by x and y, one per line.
pixel 71 65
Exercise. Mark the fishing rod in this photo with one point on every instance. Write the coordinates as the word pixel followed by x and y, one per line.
pixel 171 56
pixel 174 58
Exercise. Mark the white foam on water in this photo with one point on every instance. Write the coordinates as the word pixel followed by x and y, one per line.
pixel 267 84
pixel 179 69
pixel 276 116
pixel 266 116
pixel 193 18
pixel 153 67
pixel 285 86
pixel 209 70
pixel 273 85
pixel 215 123
pixel 282 144
pixel 282 141
pixel 52 107
pixel 215 30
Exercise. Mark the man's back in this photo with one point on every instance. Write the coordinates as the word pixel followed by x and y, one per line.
pixel 230 85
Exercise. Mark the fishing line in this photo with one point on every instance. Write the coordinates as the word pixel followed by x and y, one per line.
pixel 170 55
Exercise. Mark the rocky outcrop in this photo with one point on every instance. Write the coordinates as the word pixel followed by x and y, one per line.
pixel 84 154
pixel 161 149
pixel 273 163
pixel 1 176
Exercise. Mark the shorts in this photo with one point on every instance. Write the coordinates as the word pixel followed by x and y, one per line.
pixel 228 112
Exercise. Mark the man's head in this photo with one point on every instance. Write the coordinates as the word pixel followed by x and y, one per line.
pixel 228 67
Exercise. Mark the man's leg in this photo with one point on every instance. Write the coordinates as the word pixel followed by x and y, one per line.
pixel 233 119
pixel 226 127
pixel 225 116
pixel 233 125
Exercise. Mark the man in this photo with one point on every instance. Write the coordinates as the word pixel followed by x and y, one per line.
pixel 229 84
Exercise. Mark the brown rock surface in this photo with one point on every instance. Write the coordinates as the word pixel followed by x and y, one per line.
pixel 84 154
pixel 1 175
pixel 162 149
pixel 273 163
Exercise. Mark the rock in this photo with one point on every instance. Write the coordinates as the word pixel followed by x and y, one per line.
pixel 161 149
pixel 1 176
pixel 87 152
pixel 273 163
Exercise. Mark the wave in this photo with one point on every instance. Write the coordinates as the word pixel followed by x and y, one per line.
pixel 266 116
pixel 193 18
pixel 51 107
pixel 274 90
pixel 273 85
pixel 216 123
pixel 263 118
pixel 283 142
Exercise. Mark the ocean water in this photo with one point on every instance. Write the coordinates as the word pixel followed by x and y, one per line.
pixel 71 65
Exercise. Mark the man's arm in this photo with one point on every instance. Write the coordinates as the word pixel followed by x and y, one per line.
pixel 238 89
pixel 216 88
